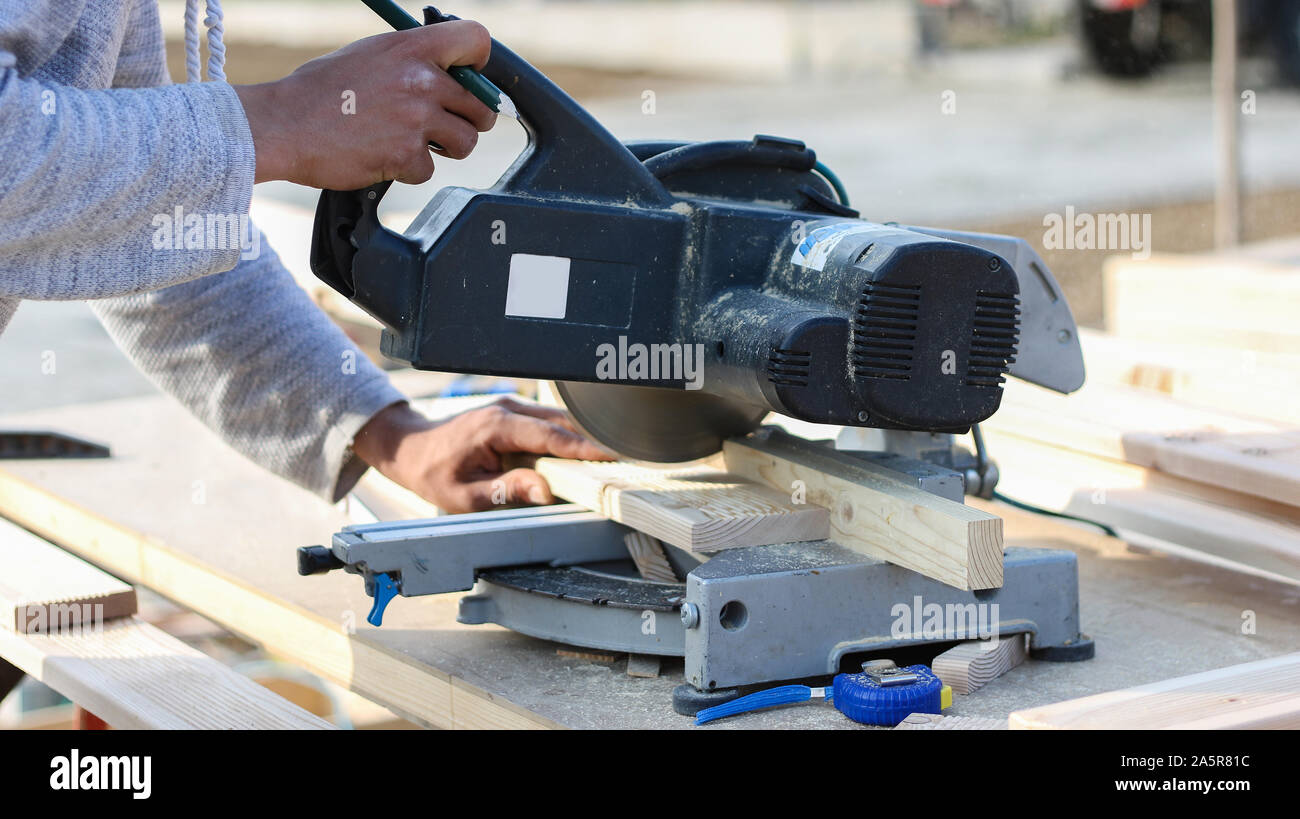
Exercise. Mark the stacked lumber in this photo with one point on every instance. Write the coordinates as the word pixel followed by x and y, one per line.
pixel 123 670
pixel 1218 300
pixel 1187 435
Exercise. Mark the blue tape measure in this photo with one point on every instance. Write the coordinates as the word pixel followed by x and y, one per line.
pixel 866 697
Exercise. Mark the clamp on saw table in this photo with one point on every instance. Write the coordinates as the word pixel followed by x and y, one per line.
pixel 743 254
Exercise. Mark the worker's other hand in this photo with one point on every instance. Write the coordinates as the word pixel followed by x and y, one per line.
pixel 457 463
pixel 367 112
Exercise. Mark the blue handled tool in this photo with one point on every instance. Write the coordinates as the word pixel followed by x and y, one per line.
pixel 882 694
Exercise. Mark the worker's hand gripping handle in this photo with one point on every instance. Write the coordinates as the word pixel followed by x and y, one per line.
pixel 569 156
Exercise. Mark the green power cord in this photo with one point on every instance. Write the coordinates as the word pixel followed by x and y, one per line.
pixel 1038 510
pixel 840 192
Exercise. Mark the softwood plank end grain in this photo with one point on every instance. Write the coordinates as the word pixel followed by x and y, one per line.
pixel 876 515
pixel 695 507
pixel 970 666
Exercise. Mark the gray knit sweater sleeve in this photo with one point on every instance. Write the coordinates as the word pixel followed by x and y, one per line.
pixel 92 180
pixel 86 173
pixel 251 355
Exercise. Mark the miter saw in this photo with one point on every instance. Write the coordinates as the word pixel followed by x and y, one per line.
pixel 745 254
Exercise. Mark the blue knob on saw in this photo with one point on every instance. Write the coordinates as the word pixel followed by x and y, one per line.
pixel 385 591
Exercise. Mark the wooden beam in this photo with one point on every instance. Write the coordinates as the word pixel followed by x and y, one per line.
pixel 694 507
pixel 43 586
pixel 1262 694
pixel 874 514
pixel 132 675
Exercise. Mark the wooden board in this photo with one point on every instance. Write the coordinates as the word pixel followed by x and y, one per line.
pixel 876 515
pixel 1262 694
pixel 1264 464
pixel 42 586
pixel 132 675
pixel 1215 300
pixel 694 507
pixel 1220 378
pixel 1235 451
pixel 1195 520
pixel 970 666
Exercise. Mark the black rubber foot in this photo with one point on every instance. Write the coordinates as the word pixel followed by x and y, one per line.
pixel 1083 648
pixel 689 700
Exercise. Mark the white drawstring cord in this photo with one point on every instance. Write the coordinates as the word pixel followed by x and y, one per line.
pixel 214 21
pixel 216 45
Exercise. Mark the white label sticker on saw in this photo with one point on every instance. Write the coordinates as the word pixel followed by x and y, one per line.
pixel 539 286
pixel 816 247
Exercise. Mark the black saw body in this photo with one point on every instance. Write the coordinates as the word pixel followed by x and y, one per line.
pixel 710 282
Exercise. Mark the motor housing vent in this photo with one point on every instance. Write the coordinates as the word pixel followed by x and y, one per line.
pixel 884 330
pixel 995 332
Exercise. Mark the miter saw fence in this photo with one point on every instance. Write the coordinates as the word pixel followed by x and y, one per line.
pixel 716 281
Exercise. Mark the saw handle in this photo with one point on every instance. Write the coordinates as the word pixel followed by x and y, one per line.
pixel 569 156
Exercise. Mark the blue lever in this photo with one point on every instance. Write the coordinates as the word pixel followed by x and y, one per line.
pixel 783 695
pixel 385 591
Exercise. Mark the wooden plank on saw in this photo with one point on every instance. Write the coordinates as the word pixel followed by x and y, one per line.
pixel 43 586
pixel 695 507
pixel 970 666
pixel 1262 694
pixel 876 515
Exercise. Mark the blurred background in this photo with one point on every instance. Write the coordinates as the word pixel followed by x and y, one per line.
pixel 970 114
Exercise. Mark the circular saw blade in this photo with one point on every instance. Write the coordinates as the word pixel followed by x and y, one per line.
pixel 657 424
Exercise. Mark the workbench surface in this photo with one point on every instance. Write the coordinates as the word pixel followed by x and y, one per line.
pixel 178 512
